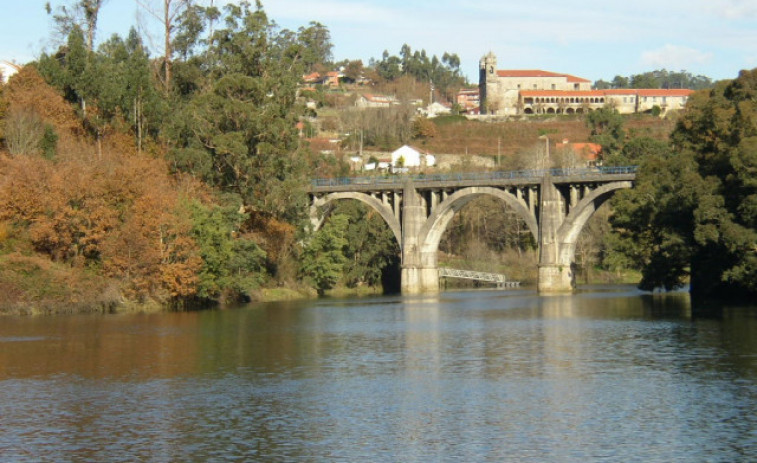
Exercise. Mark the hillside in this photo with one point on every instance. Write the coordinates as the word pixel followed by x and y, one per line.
pixel 458 136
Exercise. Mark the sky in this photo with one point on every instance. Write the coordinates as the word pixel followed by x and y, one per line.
pixel 593 39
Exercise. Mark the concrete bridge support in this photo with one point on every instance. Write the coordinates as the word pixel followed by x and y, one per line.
pixel 420 272
pixel 556 267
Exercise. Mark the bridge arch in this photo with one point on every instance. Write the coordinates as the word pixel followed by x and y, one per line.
pixel 580 214
pixel 434 227
pixel 384 210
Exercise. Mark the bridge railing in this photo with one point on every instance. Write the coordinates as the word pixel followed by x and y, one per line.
pixel 394 180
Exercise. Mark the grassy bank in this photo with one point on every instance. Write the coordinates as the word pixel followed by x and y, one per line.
pixel 31 285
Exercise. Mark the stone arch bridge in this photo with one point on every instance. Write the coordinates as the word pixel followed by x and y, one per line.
pixel 554 203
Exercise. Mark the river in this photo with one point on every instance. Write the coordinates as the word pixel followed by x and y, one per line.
pixel 608 374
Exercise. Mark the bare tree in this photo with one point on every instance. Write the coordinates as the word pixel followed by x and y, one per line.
pixel 83 13
pixel 23 131
pixel 167 16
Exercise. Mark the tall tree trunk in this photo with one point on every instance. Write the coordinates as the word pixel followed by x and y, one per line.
pixel 91 12
pixel 167 22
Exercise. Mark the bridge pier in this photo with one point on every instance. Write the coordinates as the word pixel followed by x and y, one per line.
pixel 556 278
pixel 420 272
pixel 556 272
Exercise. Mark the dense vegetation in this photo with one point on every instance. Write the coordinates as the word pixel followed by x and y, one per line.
pixel 661 78
pixel 693 213
pixel 179 180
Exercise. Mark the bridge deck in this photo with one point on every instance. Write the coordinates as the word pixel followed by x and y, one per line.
pixel 518 177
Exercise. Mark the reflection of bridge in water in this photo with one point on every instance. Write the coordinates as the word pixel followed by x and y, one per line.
pixel 555 204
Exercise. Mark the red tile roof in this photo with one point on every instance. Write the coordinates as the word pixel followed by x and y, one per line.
pixel 664 92
pixel 538 73
pixel 588 151
pixel 601 93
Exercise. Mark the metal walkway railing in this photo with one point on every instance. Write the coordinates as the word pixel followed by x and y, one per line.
pixel 498 278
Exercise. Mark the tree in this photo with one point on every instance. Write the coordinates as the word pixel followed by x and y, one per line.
pixel 168 17
pixel 370 245
pixel 323 257
pixel 652 218
pixel 424 128
pixel 128 88
pixel 232 264
pixel 657 79
pixel 602 85
pixel 718 131
pixel 83 13
pixel 24 130
pixel 620 82
pixel 606 126
pixel 239 131
pixel 637 150
pixel 316 45
pixel 353 70
pixel 693 211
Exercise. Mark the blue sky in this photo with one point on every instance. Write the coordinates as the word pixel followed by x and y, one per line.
pixel 592 38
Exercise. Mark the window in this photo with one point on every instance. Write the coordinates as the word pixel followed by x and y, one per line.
pixel 534 86
pixel 518 86
pixel 576 87
pixel 554 87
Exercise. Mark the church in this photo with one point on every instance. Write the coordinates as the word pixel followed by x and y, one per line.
pixel 527 92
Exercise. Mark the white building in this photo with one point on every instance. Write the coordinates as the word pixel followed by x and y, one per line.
pixel 436 109
pixel 407 156
pixel 369 100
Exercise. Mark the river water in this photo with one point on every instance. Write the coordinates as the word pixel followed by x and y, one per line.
pixel 607 374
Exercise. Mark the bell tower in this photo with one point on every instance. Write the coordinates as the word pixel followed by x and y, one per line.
pixel 487 80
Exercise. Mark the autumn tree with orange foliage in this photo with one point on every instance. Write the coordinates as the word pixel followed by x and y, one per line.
pixel 119 212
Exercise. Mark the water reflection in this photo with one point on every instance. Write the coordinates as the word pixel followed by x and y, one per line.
pixel 606 374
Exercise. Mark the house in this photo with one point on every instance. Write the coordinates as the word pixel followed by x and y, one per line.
pixel 408 157
pixel 369 100
pixel 437 109
pixel 579 154
pixel 468 99
pixel 330 79
pixel 312 78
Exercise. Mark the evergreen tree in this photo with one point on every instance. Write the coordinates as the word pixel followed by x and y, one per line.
pixel 370 247
pixel 693 210
pixel 239 131
pixel 323 258
pixel 606 126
